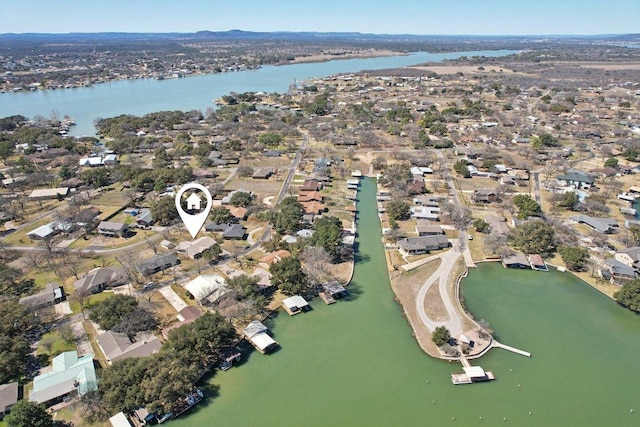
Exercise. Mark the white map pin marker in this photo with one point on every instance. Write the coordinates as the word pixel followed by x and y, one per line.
pixel 194 222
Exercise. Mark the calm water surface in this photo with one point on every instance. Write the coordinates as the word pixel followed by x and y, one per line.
pixel 355 362
pixel 144 96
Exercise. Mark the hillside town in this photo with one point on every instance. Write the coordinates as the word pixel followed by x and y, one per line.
pixel 531 163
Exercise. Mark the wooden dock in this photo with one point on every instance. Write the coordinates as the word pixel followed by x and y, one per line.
pixel 328 299
pixel 511 349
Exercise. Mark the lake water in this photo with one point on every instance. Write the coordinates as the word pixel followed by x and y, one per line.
pixel 144 96
pixel 355 363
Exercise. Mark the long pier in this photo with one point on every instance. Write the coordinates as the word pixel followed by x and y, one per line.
pixel 512 349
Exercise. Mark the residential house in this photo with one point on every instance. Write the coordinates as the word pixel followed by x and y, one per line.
pixel 603 225
pixel 207 287
pixel 484 195
pixel 70 376
pixel 310 185
pixel 100 278
pixel 310 196
pixel 235 232
pixel 144 219
pixel 498 224
pixel 422 245
pixel 272 153
pixel 426 228
pixel 256 334
pixel 119 420
pixel 619 272
pixel 49 230
pixel 194 249
pixel 227 199
pixel 418 171
pixel 262 173
pixel 273 257
pixel 415 187
pixel 427 200
pixel 238 212
pixel 8 397
pixel 425 212
pixel 185 316
pixel 629 257
pixel 517 260
pixel 576 179
pixel 157 263
pixel 52 294
pixel 313 207
pixel 49 193
pixel 113 229
pixel 116 346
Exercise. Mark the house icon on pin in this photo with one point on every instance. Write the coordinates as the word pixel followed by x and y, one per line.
pixel 193 202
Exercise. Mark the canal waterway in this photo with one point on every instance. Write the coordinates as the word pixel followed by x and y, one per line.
pixel 356 363
pixel 143 96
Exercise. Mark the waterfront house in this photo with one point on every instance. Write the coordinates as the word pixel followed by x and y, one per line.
pixel 310 185
pixel 517 260
pixel 52 294
pixel 70 376
pixel 310 196
pixel 620 272
pixel 8 397
pixel 113 229
pixel 116 346
pixel 256 334
pixel 157 263
pixel 629 257
pixel 295 304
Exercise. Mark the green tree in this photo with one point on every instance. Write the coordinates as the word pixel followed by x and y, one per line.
pixel 327 234
pixel 96 177
pixel 574 258
pixel 526 206
pixel 534 237
pixel 629 295
pixel 288 276
pixel 110 312
pixel 121 384
pixel 440 336
pixel 271 139
pixel 28 414
pixel 200 342
pixel 461 167
pixel 611 162
pixel 169 380
pixel 15 321
pixel 398 210
pixel 481 225
pixel 247 288
pixel 241 198
pixel 287 218
pixel 164 211
pixel 221 215
pixel 569 200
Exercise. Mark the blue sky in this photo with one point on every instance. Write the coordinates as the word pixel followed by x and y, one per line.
pixel 492 17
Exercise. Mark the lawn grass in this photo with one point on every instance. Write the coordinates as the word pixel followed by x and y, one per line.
pixel 58 345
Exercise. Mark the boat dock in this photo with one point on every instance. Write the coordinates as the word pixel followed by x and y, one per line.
pixel 511 349
pixel 472 374
pixel 327 298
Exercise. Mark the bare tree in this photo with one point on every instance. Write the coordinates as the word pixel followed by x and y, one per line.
pixel 316 261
